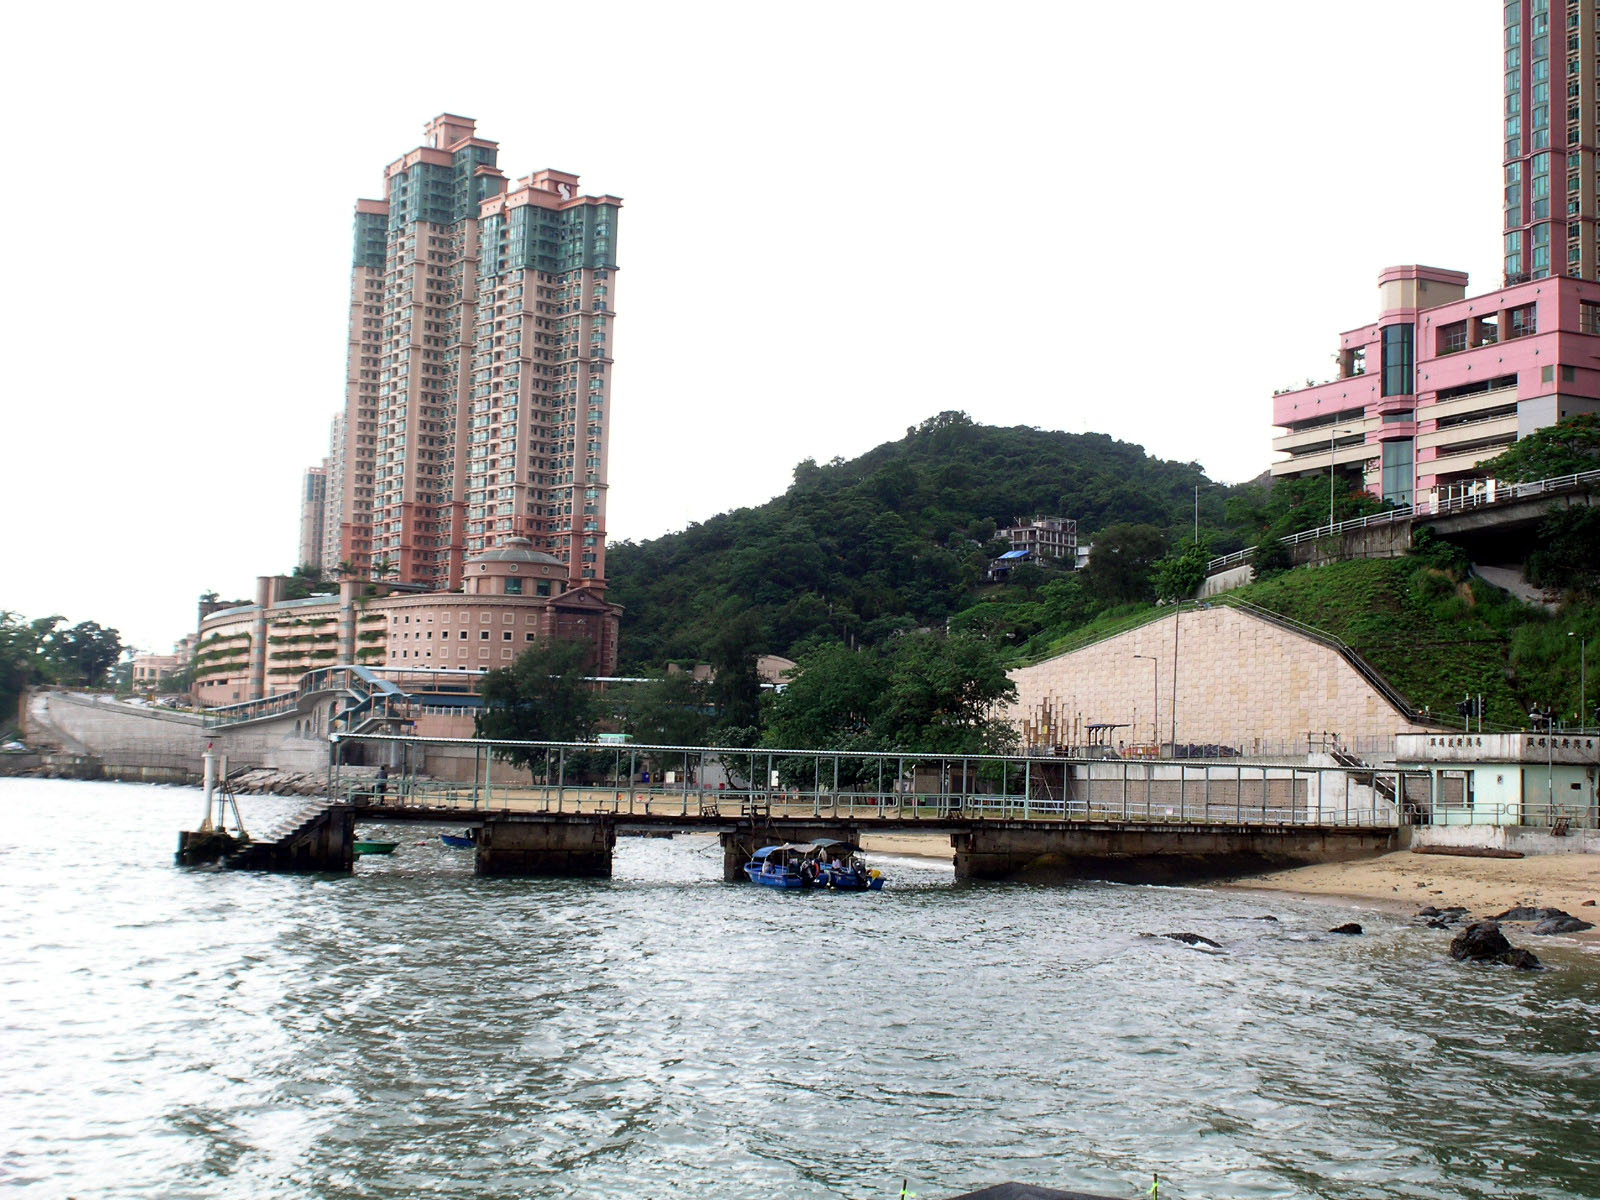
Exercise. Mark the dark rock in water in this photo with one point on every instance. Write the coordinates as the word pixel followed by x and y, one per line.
pixel 1188 939
pixel 1349 927
pixel 1562 924
pixel 1274 920
pixel 1529 914
pixel 1428 910
pixel 1437 924
pixel 1482 941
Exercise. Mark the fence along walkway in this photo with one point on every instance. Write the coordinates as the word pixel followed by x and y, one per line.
pixel 712 783
pixel 1491 495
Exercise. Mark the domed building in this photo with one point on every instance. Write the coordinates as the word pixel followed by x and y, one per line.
pixel 511 597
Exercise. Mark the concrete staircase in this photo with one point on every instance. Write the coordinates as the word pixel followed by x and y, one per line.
pixel 317 837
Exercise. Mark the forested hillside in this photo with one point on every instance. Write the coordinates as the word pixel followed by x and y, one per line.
pixel 896 539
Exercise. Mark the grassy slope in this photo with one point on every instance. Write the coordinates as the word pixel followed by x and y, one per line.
pixel 1432 638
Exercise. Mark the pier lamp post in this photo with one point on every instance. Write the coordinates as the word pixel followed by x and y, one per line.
pixel 1155 702
pixel 1332 469
pixel 1583 679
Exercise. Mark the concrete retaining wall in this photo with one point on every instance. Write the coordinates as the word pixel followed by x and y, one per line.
pixel 1527 839
pixel 133 742
pixel 1239 681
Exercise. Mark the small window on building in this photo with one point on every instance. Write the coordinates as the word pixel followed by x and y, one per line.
pixel 506 636
pixel 1569 374
pixel 1547 374
pixel 463 635
pixel 513 587
pixel 1453 338
pixel 483 635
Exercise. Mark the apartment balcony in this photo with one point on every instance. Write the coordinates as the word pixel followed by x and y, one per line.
pixel 1461 462
pixel 1312 461
pixel 1470 434
pixel 1464 405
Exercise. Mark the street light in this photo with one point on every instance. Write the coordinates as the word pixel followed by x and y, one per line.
pixel 1155 702
pixel 1332 434
pixel 1548 718
pixel 1583 679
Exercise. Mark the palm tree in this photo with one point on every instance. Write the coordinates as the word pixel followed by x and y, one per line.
pixel 385 567
pixel 346 570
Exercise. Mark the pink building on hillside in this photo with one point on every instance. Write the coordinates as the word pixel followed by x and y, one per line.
pixel 1440 382
pixel 1443 381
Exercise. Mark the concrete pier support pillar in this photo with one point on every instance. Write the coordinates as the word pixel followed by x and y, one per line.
pixel 544 844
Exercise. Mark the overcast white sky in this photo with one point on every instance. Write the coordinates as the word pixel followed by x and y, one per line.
pixel 839 218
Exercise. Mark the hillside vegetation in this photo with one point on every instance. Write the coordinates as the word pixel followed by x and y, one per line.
pixel 896 539
pixel 859 553
pixel 1431 631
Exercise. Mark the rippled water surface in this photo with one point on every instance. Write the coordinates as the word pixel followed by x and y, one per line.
pixel 416 1031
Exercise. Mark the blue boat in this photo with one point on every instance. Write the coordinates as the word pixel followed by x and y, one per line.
pixel 463 841
pixel 824 863
pixel 843 869
pixel 786 866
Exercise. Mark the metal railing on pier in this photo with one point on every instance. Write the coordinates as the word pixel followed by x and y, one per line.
pixel 700 784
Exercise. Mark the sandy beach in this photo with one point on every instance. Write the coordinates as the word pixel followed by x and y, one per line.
pixel 934 847
pixel 1402 881
pixel 1409 881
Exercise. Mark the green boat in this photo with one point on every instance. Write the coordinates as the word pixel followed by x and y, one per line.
pixel 375 847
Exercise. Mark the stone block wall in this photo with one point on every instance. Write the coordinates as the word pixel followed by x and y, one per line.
pixel 1221 675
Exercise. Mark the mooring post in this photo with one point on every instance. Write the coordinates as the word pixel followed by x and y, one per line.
pixel 209 774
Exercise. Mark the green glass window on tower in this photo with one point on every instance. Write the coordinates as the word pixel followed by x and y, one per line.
pixel 1399 359
pixel 1398 470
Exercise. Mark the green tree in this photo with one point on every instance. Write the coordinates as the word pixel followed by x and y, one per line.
pixel 1029 578
pixel 1121 563
pixel 541 697
pixel 671 710
pixel 1566 552
pixel 943 695
pixel 1271 558
pixel 1179 576
pixel 83 654
pixel 1568 447
pixel 831 703
pixel 735 690
pixel 22 662
pixel 923 693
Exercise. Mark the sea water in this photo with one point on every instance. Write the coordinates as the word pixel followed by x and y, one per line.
pixel 415 1031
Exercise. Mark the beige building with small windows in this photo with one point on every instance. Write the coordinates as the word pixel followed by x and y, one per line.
pixel 511 597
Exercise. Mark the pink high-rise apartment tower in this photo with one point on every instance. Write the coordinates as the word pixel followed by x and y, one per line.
pixel 1443 380
pixel 480 337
